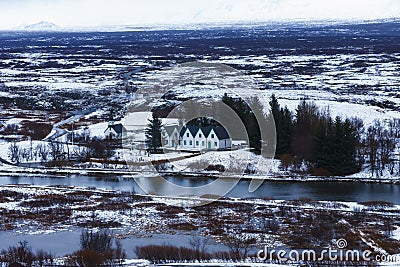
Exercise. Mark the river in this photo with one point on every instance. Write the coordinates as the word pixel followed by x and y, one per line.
pixel 337 191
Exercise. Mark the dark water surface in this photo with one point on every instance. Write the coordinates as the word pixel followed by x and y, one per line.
pixel 339 191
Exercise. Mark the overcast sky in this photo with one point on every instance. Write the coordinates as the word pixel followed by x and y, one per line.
pixel 67 13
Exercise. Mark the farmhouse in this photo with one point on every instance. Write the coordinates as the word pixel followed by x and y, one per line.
pixel 197 138
pixel 115 131
pixel 171 136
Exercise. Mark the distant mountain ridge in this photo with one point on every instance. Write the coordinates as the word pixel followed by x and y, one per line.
pixel 49 26
pixel 41 26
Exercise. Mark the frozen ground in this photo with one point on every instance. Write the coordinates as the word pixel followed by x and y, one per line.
pixel 352 70
pixel 130 215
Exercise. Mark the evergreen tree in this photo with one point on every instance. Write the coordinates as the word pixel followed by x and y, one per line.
pixel 322 142
pixel 306 120
pixel 287 130
pixel 153 134
pixel 248 118
pixel 203 122
pixel 283 125
pixel 349 148
pixel 331 147
pixel 371 147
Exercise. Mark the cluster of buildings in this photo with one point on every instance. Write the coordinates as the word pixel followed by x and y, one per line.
pixel 193 138
pixel 196 138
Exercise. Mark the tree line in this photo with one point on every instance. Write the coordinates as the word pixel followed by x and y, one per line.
pixel 79 147
pixel 333 146
pixel 248 118
pixel 311 141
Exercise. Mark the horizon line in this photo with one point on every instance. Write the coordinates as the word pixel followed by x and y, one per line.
pixel 188 25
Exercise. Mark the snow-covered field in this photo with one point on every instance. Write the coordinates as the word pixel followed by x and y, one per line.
pixel 396 233
pixel 350 70
pixel 137 215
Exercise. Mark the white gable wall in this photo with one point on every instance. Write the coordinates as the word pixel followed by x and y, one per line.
pixel 212 141
pixel 172 141
pixel 200 140
pixel 197 142
pixel 110 132
pixel 187 140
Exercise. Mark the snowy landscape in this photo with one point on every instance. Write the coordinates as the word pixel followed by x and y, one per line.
pixel 78 136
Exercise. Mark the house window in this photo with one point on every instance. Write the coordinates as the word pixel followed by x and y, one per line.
pixel 212 135
pixel 191 143
pixel 197 143
pixel 215 144
pixel 184 142
pixel 187 134
pixel 202 143
pixel 199 135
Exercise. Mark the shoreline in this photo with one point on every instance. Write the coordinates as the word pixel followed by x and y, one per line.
pixel 124 174
pixel 150 210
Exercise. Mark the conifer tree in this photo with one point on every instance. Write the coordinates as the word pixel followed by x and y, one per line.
pixel 153 134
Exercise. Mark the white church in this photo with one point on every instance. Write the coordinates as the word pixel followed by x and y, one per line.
pixel 196 138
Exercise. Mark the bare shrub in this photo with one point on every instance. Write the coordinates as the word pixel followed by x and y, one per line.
pixel 97 250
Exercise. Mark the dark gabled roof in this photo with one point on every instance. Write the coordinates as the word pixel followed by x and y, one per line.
pixel 192 129
pixel 169 129
pixel 221 132
pixel 118 128
pixel 206 130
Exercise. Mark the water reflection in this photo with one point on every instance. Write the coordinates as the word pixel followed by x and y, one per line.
pixel 70 241
pixel 339 191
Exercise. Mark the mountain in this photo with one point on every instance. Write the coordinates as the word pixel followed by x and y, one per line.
pixel 41 26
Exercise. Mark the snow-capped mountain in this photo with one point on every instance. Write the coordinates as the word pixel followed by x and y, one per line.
pixel 40 26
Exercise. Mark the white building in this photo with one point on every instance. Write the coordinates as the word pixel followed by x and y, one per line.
pixel 115 131
pixel 171 136
pixel 197 138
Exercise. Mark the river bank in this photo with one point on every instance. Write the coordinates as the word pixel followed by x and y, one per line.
pixel 42 212
pixel 275 189
pixel 65 171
